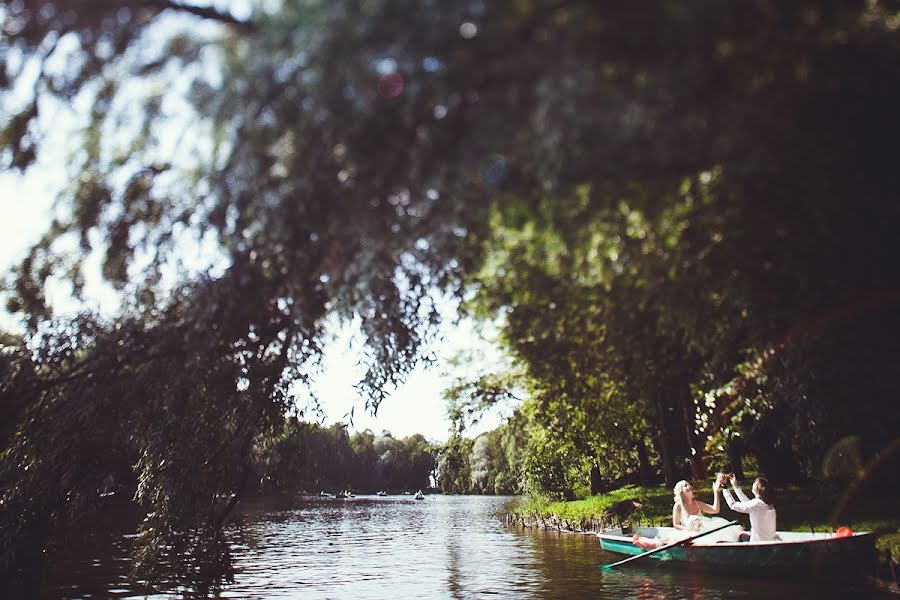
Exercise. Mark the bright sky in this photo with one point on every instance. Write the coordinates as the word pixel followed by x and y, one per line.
pixel 416 407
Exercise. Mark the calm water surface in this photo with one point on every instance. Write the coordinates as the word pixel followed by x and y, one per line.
pixel 440 547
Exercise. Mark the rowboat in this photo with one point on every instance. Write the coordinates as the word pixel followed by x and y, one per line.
pixel 793 554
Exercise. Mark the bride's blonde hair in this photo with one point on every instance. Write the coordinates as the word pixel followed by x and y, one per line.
pixel 678 490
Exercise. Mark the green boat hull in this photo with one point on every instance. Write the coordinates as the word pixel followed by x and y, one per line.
pixel 815 555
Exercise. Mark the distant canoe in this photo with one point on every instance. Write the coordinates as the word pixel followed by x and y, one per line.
pixel 795 553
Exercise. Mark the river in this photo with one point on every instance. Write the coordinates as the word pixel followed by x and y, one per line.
pixel 440 547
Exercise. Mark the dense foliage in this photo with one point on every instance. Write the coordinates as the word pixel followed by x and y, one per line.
pixel 684 213
pixel 634 370
pixel 307 457
pixel 491 463
pixel 714 280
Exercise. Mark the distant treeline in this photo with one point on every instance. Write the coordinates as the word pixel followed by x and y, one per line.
pixel 307 456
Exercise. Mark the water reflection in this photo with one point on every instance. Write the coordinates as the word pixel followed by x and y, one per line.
pixel 442 547
pixel 454 574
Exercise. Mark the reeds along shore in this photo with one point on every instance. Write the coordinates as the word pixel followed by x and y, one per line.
pixel 590 525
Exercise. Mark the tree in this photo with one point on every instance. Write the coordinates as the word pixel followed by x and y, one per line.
pixel 454 466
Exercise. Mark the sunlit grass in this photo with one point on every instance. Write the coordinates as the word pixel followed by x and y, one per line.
pixel 656 505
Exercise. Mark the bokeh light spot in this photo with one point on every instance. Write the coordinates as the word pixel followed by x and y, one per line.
pixel 431 64
pixel 390 85
pixel 385 66
pixel 495 171
pixel 468 30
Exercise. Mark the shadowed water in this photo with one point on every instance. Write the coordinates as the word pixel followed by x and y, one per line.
pixel 440 547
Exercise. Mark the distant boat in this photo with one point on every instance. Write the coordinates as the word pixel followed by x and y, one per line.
pixel 795 553
pixel 381 493
pixel 325 495
pixel 346 494
pixel 420 495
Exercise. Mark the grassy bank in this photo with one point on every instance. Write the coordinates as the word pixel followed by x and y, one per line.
pixel 799 509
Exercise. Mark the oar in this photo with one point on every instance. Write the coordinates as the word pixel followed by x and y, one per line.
pixel 667 546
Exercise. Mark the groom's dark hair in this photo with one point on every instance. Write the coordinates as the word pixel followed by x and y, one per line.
pixel 765 492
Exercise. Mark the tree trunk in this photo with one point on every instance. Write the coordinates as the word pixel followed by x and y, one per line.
pixel 695 443
pixel 644 472
pixel 663 443
pixel 776 462
pixel 597 486
pixel 735 450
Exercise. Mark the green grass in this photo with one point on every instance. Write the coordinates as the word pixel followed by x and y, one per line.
pixel 656 501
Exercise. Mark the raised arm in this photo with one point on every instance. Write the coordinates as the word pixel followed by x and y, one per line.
pixel 739 492
pixel 744 506
pixel 712 509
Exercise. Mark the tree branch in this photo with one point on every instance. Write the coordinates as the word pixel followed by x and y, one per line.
pixel 207 12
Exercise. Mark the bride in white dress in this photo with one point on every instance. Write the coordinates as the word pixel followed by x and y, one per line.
pixel 688 518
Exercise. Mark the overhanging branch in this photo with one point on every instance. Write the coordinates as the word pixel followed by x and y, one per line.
pixel 207 12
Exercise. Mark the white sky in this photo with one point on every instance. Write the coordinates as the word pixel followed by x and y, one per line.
pixel 416 407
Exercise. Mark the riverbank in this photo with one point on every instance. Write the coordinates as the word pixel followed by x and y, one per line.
pixel 799 509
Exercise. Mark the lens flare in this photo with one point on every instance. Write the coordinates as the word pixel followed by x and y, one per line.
pixel 390 85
